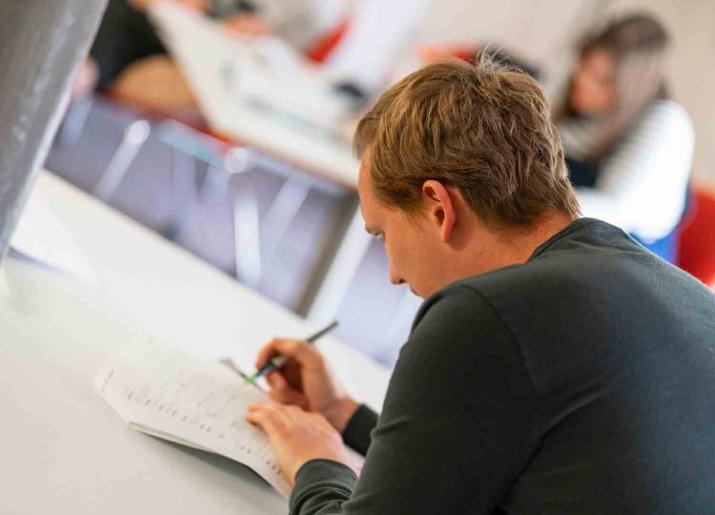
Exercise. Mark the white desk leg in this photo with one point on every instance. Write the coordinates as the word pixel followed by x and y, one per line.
pixel 134 137
pixel 183 191
pixel 341 271
pixel 247 238
pixel 280 215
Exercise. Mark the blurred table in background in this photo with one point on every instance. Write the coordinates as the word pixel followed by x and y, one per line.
pixel 219 67
pixel 213 62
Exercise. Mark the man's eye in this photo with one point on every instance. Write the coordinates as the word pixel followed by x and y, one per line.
pixel 379 236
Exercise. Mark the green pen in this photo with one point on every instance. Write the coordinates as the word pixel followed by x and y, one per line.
pixel 278 361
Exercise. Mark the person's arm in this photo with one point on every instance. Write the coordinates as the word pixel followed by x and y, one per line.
pixel 459 422
pixel 198 5
pixel 641 187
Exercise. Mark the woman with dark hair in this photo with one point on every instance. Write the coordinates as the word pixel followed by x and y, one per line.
pixel 628 145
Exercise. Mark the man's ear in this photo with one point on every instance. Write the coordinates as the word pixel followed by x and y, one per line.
pixel 440 207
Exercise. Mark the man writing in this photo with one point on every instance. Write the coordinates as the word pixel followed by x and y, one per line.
pixel 555 367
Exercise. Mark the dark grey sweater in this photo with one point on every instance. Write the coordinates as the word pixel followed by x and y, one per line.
pixel 581 382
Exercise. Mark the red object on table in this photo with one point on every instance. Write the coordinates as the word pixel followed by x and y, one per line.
pixel 322 49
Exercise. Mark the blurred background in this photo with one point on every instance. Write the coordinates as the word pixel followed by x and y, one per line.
pixel 225 127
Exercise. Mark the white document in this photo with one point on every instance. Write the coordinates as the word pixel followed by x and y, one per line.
pixel 272 74
pixel 165 392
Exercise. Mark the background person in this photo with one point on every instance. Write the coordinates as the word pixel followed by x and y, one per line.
pixel 629 146
pixel 367 38
pixel 131 62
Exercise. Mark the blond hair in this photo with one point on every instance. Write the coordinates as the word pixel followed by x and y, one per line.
pixel 484 129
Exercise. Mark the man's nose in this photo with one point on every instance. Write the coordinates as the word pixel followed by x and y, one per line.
pixel 395 277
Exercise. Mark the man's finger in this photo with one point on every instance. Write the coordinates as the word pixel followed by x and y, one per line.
pixel 305 354
pixel 263 416
pixel 276 380
pixel 287 396
pixel 265 354
pixel 270 350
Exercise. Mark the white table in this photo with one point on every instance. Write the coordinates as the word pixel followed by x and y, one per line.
pixel 204 51
pixel 63 449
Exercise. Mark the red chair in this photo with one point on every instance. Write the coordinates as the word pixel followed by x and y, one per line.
pixel 696 245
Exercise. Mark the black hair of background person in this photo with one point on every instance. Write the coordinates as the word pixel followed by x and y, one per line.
pixel 126 35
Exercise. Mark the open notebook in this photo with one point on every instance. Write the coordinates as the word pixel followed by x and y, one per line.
pixel 165 392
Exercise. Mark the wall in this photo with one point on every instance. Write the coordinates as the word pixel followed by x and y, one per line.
pixel 692 26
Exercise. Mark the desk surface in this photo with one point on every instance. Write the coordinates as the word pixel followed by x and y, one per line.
pixel 205 53
pixel 64 450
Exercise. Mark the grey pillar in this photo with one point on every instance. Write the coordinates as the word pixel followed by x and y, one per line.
pixel 42 44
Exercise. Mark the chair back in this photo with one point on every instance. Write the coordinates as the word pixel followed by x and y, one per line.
pixel 696 252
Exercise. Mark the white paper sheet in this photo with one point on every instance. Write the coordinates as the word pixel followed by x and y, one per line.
pixel 165 392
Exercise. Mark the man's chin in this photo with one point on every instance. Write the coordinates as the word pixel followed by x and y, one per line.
pixel 421 295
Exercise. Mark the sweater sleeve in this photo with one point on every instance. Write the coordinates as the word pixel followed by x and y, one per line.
pixel 457 426
pixel 641 186
pixel 357 431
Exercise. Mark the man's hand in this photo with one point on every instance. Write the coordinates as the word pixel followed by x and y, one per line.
pixel 298 436
pixel 305 381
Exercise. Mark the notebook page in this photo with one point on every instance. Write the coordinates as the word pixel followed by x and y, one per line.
pixel 172 394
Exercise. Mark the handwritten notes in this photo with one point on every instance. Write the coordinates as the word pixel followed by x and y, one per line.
pixel 163 391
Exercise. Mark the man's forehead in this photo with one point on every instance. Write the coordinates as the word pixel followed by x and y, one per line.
pixel 368 204
pixel 363 181
pixel 363 170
